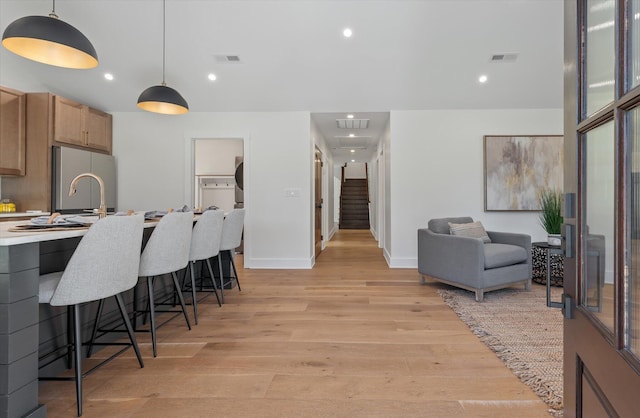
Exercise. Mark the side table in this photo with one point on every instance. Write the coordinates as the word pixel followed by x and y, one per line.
pixel 547 263
pixel 539 264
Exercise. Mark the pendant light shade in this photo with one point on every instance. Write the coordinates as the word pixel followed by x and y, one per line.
pixel 163 99
pixel 50 41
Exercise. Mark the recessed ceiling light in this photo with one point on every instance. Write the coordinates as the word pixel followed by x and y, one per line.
pixel 108 76
pixel 347 33
pixel 211 77
pixel 353 150
pixel 353 161
pixel 349 116
pixel 483 78
pixel 351 135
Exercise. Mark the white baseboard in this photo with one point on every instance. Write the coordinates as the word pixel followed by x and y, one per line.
pixel 333 231
pixel 279 263
pixel 402 263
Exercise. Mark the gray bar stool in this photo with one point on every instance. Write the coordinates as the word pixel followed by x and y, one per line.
pixel 104 264
pixel 231 239
pixel 166 252
pixel 205 244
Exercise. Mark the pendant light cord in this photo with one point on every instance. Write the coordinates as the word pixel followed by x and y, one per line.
pixel 164 47
pixel 53 11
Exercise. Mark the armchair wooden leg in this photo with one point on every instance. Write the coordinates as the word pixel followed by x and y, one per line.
pixel 423 279
pixel 479 295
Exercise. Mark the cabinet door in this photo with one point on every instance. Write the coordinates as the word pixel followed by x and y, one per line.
pixel 97 129
pixel 12 132
pixel 68 125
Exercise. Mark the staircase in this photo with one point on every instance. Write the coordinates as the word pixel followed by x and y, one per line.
pixel 354 204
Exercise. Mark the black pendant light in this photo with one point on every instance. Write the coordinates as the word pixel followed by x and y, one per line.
pixel 51 41
pixel 163 99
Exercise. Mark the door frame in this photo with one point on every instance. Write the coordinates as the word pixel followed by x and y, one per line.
pixel 599 376
pixel 318 180
pixel 189 180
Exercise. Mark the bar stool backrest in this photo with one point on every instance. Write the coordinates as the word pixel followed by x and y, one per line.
pixel 232 230
pixel 168 247
pixel 205 241
pixel 105 262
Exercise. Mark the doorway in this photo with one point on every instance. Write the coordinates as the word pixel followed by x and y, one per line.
pixel 318 202
pixel 219 173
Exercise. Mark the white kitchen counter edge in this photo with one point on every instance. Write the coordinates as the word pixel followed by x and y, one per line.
pixel 22 214
pixel 8 238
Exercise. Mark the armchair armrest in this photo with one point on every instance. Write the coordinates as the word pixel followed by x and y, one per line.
pixel 522 240
pixel 450 257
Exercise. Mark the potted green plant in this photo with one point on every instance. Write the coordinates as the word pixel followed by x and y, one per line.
pixel 550 216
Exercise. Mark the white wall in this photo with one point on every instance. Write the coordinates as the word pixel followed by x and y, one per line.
pixel 355 171
pixel 153 165
pixel 436 170
pixel 217 156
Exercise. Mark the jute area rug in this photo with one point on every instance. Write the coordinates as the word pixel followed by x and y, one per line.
pixel 524 333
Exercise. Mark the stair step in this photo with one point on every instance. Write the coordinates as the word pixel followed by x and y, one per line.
pixel 351 225
pixel 354 213
pixel 354 205
pixel 354 209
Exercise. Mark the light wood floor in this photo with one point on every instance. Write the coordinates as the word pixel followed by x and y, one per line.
pixel 348 338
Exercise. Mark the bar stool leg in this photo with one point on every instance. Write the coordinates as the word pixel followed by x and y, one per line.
pixel 94 333
pixel 212 281
pixel 180 298
pixel 191 267
pixel 235 272
pixel 69 337
pixel 127 323
pixel 78 356
pixel 219 260
pixel 152 315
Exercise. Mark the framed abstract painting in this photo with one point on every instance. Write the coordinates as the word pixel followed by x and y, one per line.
pixel 516 168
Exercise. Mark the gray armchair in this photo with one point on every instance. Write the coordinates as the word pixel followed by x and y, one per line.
pixel 471 264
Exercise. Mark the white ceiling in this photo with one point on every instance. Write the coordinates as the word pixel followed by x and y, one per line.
pixel 403 55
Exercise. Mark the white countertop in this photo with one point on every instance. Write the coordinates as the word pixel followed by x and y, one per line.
pixel 9 238
pixel 22 214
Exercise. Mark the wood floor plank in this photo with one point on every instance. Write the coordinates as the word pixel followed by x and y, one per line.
pixel 348 338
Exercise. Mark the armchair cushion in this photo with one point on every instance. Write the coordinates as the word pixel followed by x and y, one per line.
pixel 470 229
pixel 441 225
pixel 500 255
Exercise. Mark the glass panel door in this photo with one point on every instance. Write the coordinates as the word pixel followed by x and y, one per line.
pixel 599 54
pixel 599 226
pixel 632 285
pixel 634 43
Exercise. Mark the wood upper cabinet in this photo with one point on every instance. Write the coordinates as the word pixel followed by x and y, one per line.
pixel 68 124
pixel 12 132
pixel 52 120
pixel 80 125
pixel 98 129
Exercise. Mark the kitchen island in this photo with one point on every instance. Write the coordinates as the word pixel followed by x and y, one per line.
pixel 24 256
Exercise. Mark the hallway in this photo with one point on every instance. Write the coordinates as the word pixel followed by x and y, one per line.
pixel 348 338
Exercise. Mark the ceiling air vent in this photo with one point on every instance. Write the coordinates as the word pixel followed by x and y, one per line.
pixel 228 59
pixel 352 123
pixel 508 57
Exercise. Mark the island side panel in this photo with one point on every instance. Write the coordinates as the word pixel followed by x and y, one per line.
pixel 19 277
